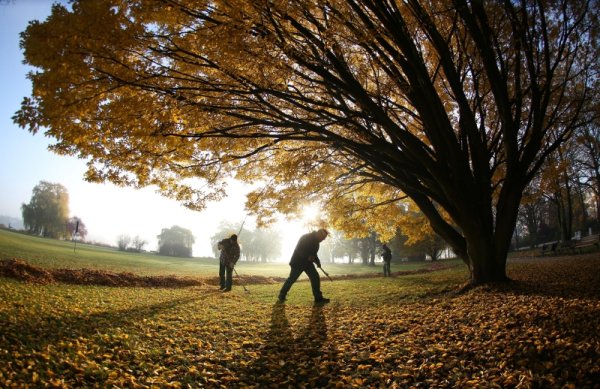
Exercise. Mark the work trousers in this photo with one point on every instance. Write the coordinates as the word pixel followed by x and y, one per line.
pixel 313 276
pixel 225 276
pixel 386 269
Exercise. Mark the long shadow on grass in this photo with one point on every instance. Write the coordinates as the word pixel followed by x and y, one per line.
pixel 285 359
pixel 38 332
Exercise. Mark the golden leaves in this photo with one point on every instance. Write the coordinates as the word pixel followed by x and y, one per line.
pixel 540 331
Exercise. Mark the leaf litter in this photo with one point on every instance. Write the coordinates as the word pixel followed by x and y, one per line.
pixel 539 331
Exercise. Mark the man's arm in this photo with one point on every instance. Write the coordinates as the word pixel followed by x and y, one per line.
pixel 317 261
pixel 234 254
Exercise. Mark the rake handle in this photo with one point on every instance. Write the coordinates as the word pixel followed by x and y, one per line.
pixel 327 274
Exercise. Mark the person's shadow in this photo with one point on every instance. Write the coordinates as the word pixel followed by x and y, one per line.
pixel 286 359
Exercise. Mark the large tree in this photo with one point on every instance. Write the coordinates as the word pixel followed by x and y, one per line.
pixel 47 213
pixel 358 103
pixel 176 242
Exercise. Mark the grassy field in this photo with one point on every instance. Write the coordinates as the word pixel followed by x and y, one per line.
pixel 406 331
pixel 50 253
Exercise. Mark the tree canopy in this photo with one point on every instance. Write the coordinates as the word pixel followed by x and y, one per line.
pixel 176 242
pixel 358 104
pixel 47 213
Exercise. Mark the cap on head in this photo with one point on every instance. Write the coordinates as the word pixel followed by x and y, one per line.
pixel 322 233
pixel 233 237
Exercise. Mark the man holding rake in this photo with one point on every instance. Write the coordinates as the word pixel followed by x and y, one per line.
pixel 230 253
pixel 304 260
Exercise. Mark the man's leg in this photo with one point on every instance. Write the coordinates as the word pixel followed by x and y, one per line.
pixel 228 278
pixel 294 274
pixel 315 282
pixel 222 275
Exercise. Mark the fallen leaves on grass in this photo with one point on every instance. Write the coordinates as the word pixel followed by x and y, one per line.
pixel 21 270
pixel 540 331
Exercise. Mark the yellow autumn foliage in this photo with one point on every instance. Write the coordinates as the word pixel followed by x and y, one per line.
pixel 355 105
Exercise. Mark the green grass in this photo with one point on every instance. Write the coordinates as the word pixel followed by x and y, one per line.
pixel 51 253
pixel 404 331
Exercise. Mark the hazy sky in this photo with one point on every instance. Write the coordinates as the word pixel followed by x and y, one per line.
pixel 106 210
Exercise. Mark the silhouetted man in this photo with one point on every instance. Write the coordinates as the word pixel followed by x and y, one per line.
pixel 387 259
pixel 304 260
pixel 230 253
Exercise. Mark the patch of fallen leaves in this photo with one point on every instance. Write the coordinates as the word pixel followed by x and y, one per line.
pixel 539 331
pixel 21 270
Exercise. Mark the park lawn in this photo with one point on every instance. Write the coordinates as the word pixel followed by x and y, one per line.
pixel 51 253
pixel 403 331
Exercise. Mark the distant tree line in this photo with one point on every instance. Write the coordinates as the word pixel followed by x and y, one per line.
pixel 368 250
pixel 264 245
pixel 259 245
pixel 126 243
pixel 563 202
pixel 174 242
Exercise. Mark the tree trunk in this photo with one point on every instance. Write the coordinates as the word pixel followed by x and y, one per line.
pixel 581 199
pixel 487 267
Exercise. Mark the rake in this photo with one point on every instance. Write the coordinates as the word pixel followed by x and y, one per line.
pixel 240 279
pixel 327 274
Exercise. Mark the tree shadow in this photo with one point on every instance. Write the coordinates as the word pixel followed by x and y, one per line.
pixel 291 359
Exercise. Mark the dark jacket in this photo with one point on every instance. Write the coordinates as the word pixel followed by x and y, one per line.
pixel 230 252
pixel 387 254
pixel 307 246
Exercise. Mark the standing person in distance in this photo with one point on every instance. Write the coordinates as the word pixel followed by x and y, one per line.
pixel 387 259
pixel 304 260
pixel 230 253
